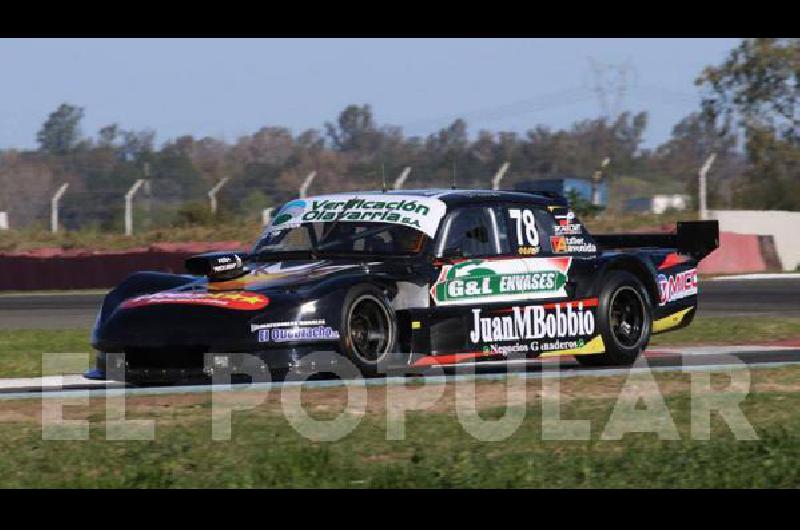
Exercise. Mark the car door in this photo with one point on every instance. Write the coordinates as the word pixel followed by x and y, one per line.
pixel 473 251
pixel 503 281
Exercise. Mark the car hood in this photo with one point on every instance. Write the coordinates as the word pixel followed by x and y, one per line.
pixel 285 274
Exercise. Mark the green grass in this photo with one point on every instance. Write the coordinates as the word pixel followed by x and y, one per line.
pixel 731 330
pixel 21 350
pixel 437 453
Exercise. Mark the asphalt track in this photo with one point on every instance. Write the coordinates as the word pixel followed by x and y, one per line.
pixel 732 297
pixel 687 359
pixel 735 297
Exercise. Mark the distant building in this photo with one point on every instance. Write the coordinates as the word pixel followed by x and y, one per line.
pixel 3 220
pixel 563 185
pixel 658 204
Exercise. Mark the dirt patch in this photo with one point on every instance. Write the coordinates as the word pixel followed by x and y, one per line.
pixel 437 398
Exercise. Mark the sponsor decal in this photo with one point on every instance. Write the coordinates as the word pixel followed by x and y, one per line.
pixel 227 263
pixel 501 280
pixel 295 334
pixel 291 210
pixel 562 244
pixel 558 244
pixel 528 251
pixel 243 301
pixel 567 229
pixel 565 225
pixel 676 286
pixel 421 213
pixel 556 321
pixel 287 324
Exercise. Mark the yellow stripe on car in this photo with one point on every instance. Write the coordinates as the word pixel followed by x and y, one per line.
pixel 671 321
pixel 593 346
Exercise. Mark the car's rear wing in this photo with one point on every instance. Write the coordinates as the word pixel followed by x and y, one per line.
pixel 696 238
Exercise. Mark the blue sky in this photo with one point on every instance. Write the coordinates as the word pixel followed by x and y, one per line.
pixel 229 87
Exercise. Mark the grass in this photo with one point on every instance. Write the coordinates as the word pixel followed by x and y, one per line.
pixel 731 330
pixel 437 452
pixel 21 350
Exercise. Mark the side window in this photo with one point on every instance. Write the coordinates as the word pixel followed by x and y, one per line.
pixel 530 229
pixel 558 231
pixel 474 231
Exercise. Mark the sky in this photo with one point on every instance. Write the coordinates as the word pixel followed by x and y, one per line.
pixel 225 88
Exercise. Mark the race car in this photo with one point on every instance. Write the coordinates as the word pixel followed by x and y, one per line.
pixel 407 280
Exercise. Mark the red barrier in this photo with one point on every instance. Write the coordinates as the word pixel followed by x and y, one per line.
pixel 737 253
pixel 54 268
pixel 46 269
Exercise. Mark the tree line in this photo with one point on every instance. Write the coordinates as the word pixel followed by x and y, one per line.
pixel 748 118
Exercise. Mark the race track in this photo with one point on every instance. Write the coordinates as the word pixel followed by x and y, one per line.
pixel 762 297
pixel 733 297
pixel 686 359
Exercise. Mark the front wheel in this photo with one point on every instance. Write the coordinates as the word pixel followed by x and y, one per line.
pixel 369 327
pixel 624 320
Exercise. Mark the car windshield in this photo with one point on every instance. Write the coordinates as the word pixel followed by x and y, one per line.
pixel 342 238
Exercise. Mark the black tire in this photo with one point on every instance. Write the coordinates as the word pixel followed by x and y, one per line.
pixel 625 321
pixel 368 328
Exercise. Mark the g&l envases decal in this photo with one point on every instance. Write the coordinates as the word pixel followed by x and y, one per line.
pixel 244 301
pixel 676 286
pixel 478 280
pixel 534 329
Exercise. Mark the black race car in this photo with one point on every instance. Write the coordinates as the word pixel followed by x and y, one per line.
pixel 404 281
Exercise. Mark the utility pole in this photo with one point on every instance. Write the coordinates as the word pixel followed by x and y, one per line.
pixel 499 175
pixel 129 206
pixel 402 178
pixel 597 178
pixel 306 184
pixel 266 216
pixel 54 207
pixel 148 203
pixel 212 193
pixel 701 188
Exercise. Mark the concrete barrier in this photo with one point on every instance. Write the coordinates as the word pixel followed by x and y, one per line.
pixel 783 226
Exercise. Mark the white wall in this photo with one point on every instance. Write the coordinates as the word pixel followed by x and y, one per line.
pixel 661 203
pixel 784 227
pixel 3 220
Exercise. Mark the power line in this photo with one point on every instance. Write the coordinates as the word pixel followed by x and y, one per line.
pixel 487 114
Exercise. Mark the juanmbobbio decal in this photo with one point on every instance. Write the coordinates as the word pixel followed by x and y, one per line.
pixel 480 280
pixel 534 329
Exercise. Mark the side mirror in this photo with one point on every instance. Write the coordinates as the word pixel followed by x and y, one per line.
pixel 449 255
pixel 218 266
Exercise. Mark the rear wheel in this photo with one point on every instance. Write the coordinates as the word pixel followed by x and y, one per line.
pixel 624 321
pixel 369 328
